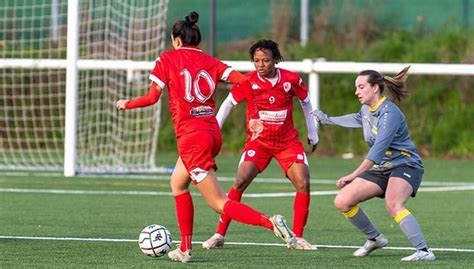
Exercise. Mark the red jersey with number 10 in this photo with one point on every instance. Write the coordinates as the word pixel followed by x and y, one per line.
pixel 191 77
pixel 275 105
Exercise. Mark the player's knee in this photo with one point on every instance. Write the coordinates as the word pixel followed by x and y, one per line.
pixel 343 204
pixel 302 185
pixel 393 207
pixel 173 186
pixel 241 183
pixel 177 188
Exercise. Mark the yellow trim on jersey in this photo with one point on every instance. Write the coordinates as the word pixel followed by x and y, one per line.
pixel 404 153
pixel 402 215
pixel 374 130
pixel 352 212
pixel 372 109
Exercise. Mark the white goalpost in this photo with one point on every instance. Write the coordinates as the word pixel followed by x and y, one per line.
pixel 59 114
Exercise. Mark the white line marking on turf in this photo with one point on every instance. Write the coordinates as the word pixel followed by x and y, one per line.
pixel 156 193
pixel 200 242
pixel 220 178
pixel 252 195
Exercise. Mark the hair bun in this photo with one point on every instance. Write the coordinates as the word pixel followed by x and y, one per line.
pixel 192 18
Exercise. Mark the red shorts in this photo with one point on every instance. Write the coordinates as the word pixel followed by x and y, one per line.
pixel 261 156
pixel 197 151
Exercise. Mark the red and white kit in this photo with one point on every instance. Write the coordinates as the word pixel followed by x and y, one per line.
pixel 274 102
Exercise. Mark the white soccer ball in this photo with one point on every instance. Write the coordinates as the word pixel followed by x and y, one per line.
pixel 155 240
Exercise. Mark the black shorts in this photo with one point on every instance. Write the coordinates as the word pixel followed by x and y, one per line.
pixel 411 174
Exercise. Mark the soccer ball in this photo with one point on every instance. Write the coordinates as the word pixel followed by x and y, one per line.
pixel 155 240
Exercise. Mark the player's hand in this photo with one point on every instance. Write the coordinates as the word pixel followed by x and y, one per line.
pixel 344 181
pixel 256 128
pixel 318 115
pixel 120 104
pixel 314 146
pixel 313 140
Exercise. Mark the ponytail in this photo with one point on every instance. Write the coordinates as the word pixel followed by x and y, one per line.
pixel 395 85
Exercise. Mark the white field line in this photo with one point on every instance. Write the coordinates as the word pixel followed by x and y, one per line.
pixel 220 178
pixel 13 237
pixel 253 195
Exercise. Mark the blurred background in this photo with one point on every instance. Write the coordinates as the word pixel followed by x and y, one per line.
pixel 440 110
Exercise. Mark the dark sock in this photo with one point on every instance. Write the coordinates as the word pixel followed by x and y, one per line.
pixel 373 239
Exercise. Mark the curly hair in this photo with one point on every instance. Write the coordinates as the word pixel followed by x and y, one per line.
pixel 268 45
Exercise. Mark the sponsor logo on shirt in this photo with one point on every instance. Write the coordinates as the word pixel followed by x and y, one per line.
pixel 201 111
pixel 255 86
pixel 273 117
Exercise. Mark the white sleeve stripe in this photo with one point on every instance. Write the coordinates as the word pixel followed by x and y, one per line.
pixel 232 99
pixel 158 81
pixel 306 100
pixel 226 74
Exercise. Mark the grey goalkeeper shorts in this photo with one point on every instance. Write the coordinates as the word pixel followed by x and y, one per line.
pixel 411 174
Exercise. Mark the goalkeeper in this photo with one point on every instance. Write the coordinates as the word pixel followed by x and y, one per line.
pixel 273 89
pixel 392 168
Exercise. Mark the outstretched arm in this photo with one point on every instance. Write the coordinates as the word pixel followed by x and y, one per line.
pixel 353 120
pixel 311 127
pixel 150 98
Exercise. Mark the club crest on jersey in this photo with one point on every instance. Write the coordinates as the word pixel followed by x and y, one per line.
pixel 300 156
pixel 287 86
pixel 251 153
pixel 201 111
pixel 271 99
pixel 255 86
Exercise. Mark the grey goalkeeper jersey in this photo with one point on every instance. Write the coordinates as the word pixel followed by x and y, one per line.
pixel 385 131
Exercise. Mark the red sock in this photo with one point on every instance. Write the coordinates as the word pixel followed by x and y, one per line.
pixel 300 212
pixel 185 216
pixel 224 220
pixel 245 214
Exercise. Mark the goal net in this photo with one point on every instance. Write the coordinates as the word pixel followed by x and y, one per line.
pixel 114 35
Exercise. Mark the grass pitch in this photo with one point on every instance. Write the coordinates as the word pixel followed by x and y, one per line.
pixel 49 221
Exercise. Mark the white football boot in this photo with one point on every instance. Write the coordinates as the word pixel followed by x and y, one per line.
pixel 280 229
pixel 420 255
pixel 369 246
pixel 301 243
pixel 178 256
pixel 216 241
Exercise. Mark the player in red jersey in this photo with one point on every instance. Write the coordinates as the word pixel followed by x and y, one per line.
pixel 191 77
pixel 273 91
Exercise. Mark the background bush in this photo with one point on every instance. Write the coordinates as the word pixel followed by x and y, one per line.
pixel 440 110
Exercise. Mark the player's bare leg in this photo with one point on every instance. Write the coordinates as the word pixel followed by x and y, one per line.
pixel 245 174
pixel 180 179
pixel 217 200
